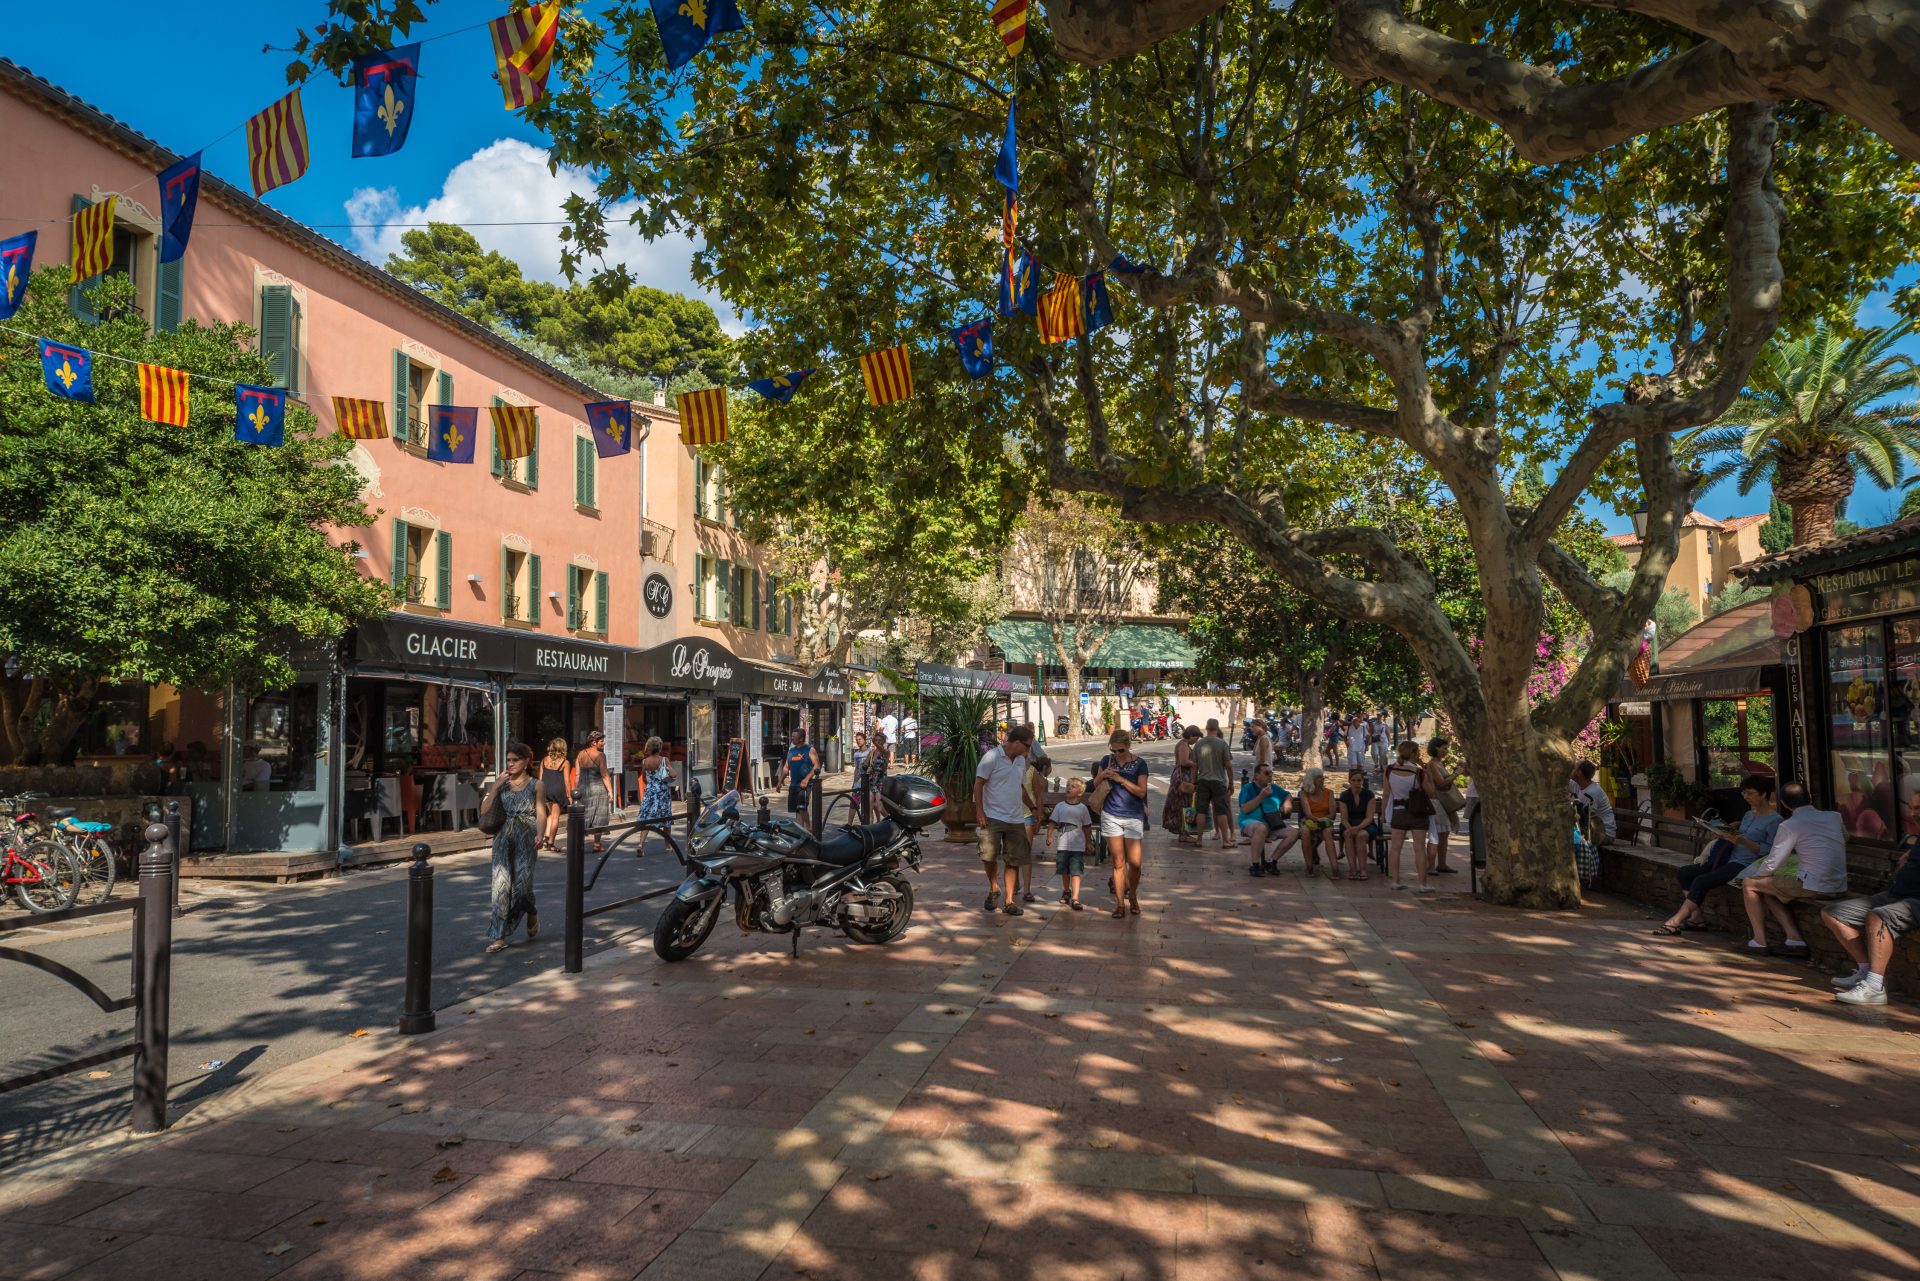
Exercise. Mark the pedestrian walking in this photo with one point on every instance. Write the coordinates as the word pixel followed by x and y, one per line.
pixel 1000 810
pixel 556 788
pixel 1439 782
pixel 1035 791
pixel 1173 814
pixel 873 770
pixel 1262 745
pixel 1377 743
pixel 1123 813
pixel 656 784
pixel 797 769
pixel 593 786
pixel 1408 809
pixel 1212 772
pixel 860 751
pixel 890 726
pixel 520 812
pixel 909 739
pixel 1070 821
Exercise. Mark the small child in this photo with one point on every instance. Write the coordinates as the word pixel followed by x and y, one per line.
pixel 1036 788
pixel 1073 821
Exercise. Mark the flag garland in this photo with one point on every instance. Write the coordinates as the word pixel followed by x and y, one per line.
pixel 703 416
pixel 277 145
pixel 523 52
pixel 975 345
pixel 360 419
pixel 611 422
pixel 888 374
pixel 780 387
pixel 16 269
pixel 179 197
pixel 1010 20
pixel 68 371
pixel 450 432
pixel 1063 313
pixel 92 240
pixel 686 26
pixel 516 429
pixel 383 99
pixel 163 395
pixel 259 415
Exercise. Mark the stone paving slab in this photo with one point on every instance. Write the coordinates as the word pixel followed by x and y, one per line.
pixel 1287 1077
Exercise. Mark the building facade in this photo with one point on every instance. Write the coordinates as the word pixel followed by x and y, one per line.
pixel 1708 552
pixel 534 598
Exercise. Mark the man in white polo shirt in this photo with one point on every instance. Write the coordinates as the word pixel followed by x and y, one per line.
pixel 1000 809
pixel 1816 842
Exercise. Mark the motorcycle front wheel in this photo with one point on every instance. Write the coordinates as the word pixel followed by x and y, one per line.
pixel 896 923
pixel 683 927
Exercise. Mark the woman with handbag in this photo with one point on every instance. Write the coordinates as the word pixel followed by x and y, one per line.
pixel 1408 809
pixel 1120 796
pixel 514 811
pixel 1173 814
pixel 1731 853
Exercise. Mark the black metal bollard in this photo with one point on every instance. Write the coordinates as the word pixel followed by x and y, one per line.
pixel 416 1016
pixel 814 810
pixel 576 923
pixel 154 978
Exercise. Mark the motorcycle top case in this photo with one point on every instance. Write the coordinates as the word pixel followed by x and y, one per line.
pixel 913 802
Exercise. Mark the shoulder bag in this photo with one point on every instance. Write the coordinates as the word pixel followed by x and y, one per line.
pixel 494 817
pixel 1419 804
pixel 1097 798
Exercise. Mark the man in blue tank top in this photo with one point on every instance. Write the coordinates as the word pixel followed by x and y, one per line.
pixel 799 768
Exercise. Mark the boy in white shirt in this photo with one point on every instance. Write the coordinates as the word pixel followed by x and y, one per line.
pixel 1072 820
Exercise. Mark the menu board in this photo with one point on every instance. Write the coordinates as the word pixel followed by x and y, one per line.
pixel 733 769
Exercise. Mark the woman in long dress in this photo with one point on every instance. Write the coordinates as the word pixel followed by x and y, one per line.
pixel 593 785
pixel 515 847
pixel 656 795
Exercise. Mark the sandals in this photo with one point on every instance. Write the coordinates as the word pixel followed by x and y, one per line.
pixel 498 945
pixel 1667 930
pixel 1119 910
pixel 533 925
pixel 1133 905
pixel 1075 905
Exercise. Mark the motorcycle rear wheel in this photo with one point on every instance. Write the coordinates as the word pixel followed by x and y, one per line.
pixel 896 923
pixel 683 927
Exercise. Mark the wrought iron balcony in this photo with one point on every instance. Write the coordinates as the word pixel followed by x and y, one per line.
pixel 416 589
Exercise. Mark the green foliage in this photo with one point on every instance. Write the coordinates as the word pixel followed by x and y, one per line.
pixel 1673 613
pixel 1776 535
pixel 1736 595
pixel 612 325
pixel 137 551
pixel 950 725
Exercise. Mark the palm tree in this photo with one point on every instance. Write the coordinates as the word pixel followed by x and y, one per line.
pixel 1812 414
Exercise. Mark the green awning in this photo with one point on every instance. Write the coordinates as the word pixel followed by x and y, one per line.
pixel 1028 640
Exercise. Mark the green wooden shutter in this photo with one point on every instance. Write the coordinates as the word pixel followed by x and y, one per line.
pixel 600 612
pixel 723 590
pixel 169 295
pixel 583 457
pixel 399 571
pixel 756 599
pixel 506 575
pixel 446 387
pixel 702 576
pixel 276 333
pixel 573 598
pixel 532 461
pixel 402 392
pixel 443 568
pixel 699 485
pixel 493 443
pixel 533 589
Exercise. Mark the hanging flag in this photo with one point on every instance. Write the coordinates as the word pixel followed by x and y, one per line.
pixel 1010 20
pixel 92 240
pixel 703 416
pixel 163 395
pixel 523 52
pixel 1006 170
pixel 259 415
pixel 16 269
pixel 1099 308
pixel 179 196
pixel 277 145
pixel 889 375
pixel 1006 166
pixel 383 99
pixel 1063 314
pixel 1021 291
pixel 687 25
pixel 612 424
pixel 68 370
pixel 780 387
pixel 450 432
pixel 975 343
pixel 1124 266
pixel 516 428
pixel 360 419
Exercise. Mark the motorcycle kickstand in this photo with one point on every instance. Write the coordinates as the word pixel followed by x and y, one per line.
pixel 794 954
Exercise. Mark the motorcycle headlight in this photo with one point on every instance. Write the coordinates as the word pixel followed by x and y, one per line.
pixel 709 843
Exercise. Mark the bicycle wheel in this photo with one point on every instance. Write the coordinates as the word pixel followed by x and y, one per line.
pixel 98 871
pixel 54 878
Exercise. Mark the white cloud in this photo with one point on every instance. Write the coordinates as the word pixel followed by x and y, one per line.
pixel 509 182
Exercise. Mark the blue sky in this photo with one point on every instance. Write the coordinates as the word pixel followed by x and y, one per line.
pixel 185 74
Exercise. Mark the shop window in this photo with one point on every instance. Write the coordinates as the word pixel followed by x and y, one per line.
pixel 519 586
pixel 281 741
pixel 1737 736
pixel 1860 743
pixel 422 565
pixel 1903 708
pixel 117 723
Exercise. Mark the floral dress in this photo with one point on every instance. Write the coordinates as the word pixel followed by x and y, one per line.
pixel 656 802
pixel 515 847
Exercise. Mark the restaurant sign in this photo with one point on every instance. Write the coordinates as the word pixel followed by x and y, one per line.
pixel 692 663
pixel 1891 587
pixel 419 645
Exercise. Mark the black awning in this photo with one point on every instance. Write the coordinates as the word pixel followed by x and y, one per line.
pixel 1715 682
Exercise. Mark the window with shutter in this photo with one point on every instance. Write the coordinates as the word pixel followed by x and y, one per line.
pixel 584 459
pixel 402 409
pixel 530 465
pixel 573 599
pixel 169 295
pixel 443 569
pixel 699 486
pixel 276 333
pixel 534 606
pixel 398 574
pixel 445 388
pixel 493 444
pixel 754 620
pixel 509 586
pixel 702 586
pixel 723 590
pixel 600 604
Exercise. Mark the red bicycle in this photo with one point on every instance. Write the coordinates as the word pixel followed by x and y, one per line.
pixel 44 875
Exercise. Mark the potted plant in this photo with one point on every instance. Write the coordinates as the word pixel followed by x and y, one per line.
pixel 1675 794
pixel 950 736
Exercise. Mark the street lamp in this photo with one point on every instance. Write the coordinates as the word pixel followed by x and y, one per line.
pixel 1640 522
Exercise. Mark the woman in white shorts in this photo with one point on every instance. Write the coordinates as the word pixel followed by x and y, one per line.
pixel 1123 817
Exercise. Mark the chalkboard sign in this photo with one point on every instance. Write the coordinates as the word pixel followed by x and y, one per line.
pixel 733 772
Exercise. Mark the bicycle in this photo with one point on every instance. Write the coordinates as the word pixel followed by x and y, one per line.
pixel 44 874
pixel 88 844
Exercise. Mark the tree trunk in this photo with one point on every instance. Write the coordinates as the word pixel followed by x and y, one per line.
pixel 1813 486
pixel 1521 782
pixel 42 727
pixel 1075 677
pixel 1313 701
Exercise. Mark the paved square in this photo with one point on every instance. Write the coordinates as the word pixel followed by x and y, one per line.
pixel 1279 1077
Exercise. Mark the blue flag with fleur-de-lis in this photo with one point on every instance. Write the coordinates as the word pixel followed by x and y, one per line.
pixel 383 100
pixel 1099 307
pixel 179 197
pixel 16 267
pixel 68 370
pixel 687 25
pixel 259 415
pixel 780 387
pixel 450 432
pixel 975 344
pixel 1022 292
pixel 612 425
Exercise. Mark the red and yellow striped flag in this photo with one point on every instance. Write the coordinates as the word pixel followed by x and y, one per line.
pixel 703 416
pixel 163 395
pixel 523 52
pixel 889 375
pixel 1063 310
pixel 1010 20
pixel 360 419
pixel 93 240
pixel 277 145
pixel 515 428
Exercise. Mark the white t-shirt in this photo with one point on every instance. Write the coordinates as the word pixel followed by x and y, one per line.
pixel 1003 799
pixel 890 726
pixel 256 775
pixel 1596 796
pixel 1072 821
pixel 909 728
pixel 1819 837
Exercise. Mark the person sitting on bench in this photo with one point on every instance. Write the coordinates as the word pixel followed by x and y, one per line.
pixel 1732 852
pixel 1882 917
pixel 1808 861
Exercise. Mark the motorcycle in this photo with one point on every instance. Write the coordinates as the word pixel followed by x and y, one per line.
pixel 781 878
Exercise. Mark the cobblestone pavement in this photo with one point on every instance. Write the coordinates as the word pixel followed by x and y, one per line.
pixel 1272 1078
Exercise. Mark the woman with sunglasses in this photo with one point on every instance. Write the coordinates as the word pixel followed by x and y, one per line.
pixel 515 846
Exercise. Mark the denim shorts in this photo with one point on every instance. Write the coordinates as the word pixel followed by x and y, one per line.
pixel 1069 862
pixel 1112 825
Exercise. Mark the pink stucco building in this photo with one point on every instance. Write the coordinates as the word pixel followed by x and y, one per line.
pixel 533 599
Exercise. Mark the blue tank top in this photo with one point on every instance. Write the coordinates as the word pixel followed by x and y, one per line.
pixel 799 766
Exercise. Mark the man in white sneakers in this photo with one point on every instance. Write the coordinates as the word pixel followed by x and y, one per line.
pixel 1869 926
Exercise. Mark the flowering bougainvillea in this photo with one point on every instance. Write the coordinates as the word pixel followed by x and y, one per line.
pixel 1553 666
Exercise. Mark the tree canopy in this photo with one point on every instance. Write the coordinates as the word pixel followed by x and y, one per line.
pixel 137 551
